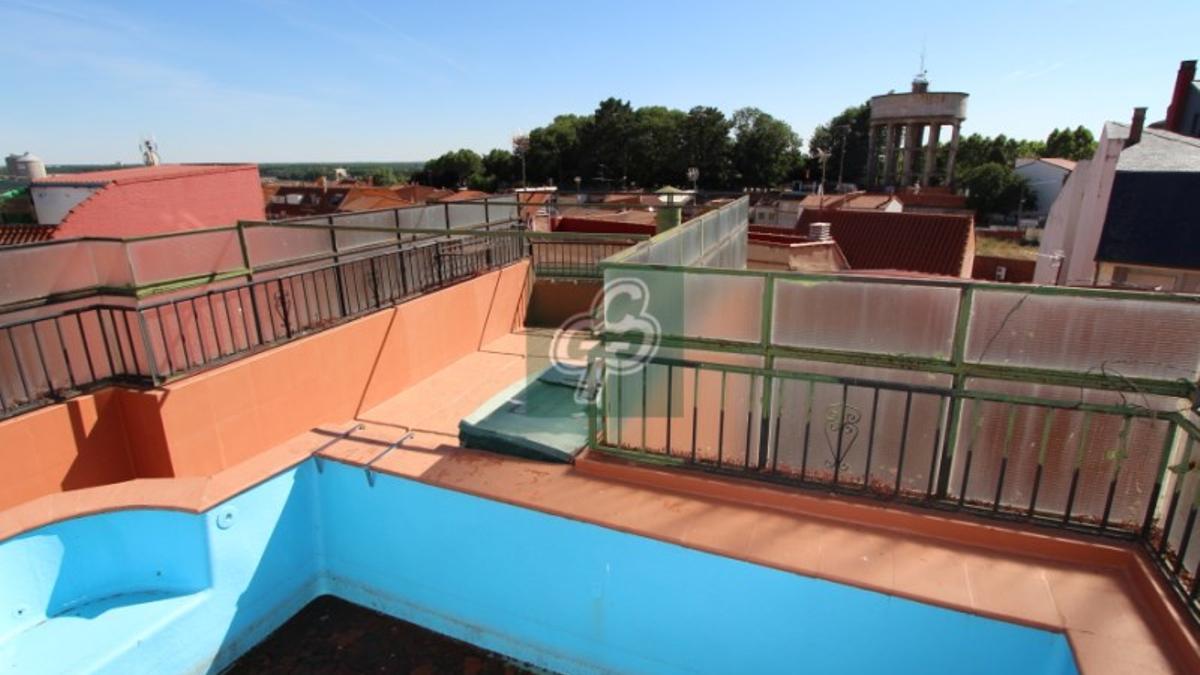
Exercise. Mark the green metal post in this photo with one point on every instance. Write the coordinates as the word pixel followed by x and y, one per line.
pixel 958 385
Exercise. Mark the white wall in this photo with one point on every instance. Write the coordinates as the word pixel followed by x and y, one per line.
pixel 1045 180
pixel 53 202
pixel 1076 218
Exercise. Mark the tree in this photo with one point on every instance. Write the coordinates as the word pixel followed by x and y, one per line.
pixel 383 176
pixel 554 150
pixel 656 153
pixel 604 141
pixel 501 169
pixel 976 150
pixel 853 125
pixel 995 188
pixel 1073 144
pixel 458 168
pixel 707 145
pixel 765 150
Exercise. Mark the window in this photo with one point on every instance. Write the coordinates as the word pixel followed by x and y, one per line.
pixel 1001 272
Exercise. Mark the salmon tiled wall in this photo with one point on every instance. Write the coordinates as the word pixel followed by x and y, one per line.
pixel 204 423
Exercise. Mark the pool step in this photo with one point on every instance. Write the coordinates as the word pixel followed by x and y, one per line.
pixel 537 417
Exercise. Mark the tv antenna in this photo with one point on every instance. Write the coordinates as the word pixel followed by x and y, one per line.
pixel 922 74
pixel 149 148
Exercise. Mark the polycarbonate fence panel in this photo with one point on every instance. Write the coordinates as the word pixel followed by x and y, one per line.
pixel 35 272
pixel 348 240
pixel 425 217
pixel 710 228
pixel 270 244
pixel 692 242
pixel 730 253
pixel 197 253
pixel 1132 338
pixel 467 214
pixel 865 317
pixel 701 305
pixel 501 210
pixel 1087 468
pixel 668 251
pixel 701 241
pixel 110 263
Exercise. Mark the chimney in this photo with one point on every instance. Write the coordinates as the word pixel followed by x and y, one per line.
pixel 819 232
pixel 1135 126
pixel 1183 84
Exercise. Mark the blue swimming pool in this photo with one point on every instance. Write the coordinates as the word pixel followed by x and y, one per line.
pixel 146 591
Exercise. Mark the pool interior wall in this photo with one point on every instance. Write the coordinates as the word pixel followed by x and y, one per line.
pixel 153 591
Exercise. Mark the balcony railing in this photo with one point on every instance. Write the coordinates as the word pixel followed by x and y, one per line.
pixel 54 356
pixel 1059 407
pixel 50 358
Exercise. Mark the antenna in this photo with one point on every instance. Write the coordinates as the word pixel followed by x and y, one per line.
pixel 149 148
pixel 922 74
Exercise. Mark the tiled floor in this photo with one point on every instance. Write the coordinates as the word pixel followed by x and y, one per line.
pixel 1094 605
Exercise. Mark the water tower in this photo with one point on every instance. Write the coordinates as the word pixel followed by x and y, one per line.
pixel 906 116
pixel 29 167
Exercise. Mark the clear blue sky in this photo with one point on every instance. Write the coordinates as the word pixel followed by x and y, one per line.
pixel 341 80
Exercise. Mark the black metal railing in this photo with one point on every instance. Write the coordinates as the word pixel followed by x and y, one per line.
pixel 51 358
pixel 576 258
pixel 189 333
pixel 1173 541
pixel 1111 469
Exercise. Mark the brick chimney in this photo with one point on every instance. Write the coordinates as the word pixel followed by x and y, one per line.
pixel 1135 126
pixel 1183 84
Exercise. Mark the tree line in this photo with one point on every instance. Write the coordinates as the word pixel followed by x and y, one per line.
pixel 619 146
pixel 381 173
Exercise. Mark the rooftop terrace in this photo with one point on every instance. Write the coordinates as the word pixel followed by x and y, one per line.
pixel 1012 452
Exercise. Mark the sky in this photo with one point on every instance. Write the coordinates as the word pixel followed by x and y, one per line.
pixel 366 80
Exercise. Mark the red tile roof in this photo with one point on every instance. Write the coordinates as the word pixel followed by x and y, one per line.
pixel 932 198
pixel 464 196
pixel 827 201
pixel 1060 162
pixel 13 235
pixel 361 198
pixel 140 174
pixel 867 202
pixel 417 193
pixel 634 216
pixel 916 242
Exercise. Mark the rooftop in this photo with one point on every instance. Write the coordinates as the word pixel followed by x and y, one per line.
pixel 932 198
pixel 1157 151
pixel 139 174
pixel 1060 162
pixel 879 240
pixel 971 491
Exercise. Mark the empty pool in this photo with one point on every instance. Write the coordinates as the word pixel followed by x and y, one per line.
pixel 152 591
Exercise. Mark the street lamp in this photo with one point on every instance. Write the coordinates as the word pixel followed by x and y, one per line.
pixel 823 156
pixel 693 174
pixel 842 162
